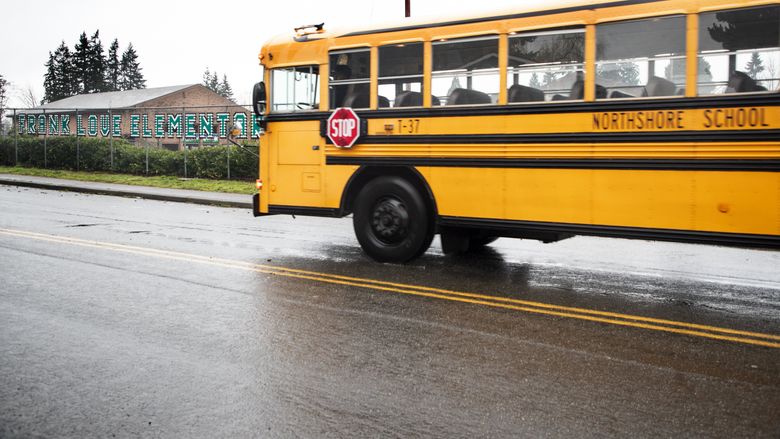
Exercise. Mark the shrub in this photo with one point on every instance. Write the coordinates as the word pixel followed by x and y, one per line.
pixel 96 155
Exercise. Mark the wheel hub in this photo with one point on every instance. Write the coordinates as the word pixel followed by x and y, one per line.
pixel 390 220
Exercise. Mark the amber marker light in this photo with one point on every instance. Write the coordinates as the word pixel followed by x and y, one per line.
pixel 259 184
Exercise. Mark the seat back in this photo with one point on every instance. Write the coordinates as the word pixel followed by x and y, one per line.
pixel 464 96
pixel 356 99
pixel 740 82
pixel 617 94
pixel 660 87
pixel 521 93
pixel 578 90
pixel 408 99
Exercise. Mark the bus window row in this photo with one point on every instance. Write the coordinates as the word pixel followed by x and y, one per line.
pixel 738 52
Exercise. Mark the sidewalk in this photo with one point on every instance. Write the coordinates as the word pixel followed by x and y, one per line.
pixel 124 190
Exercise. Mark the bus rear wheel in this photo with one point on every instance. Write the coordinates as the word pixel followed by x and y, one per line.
pixel 392 221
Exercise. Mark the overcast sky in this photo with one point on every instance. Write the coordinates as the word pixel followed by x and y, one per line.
pixel 176 39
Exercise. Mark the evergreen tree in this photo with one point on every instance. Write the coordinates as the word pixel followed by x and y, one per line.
pixel 207 79
pixel 112 67
pixel 214 82
pixel 88 70
pixel 130 76
pixel 58 82
pixel 535 81
pixel 225 89
pixel 63 59
pixel 95 75
pixel 50 80
pixel 754 66
pixel 211 81
pixel 81 55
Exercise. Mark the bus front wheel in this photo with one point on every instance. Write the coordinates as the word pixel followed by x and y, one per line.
pixel 392 221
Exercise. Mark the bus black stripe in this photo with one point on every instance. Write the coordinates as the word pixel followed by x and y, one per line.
pixel 715 102
pixel 302 210
pixel 751 165
pixel 577 138
pixel 508 228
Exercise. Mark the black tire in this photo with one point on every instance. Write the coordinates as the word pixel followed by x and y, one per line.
pixel 392 221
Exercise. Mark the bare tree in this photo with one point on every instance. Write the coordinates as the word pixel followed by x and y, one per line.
pixel 27 96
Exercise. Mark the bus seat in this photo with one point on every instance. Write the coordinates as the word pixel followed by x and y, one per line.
pixel 617 94
pixel 356 99
pixel 408 99
pixel 578 90
pixel 464 96
pixel 558 97
pixel 521 93
pixel 740 82
pixel 659 87
pixel 413 99
pixel 383 102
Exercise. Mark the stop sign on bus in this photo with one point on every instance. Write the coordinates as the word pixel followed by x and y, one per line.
pixel 343 127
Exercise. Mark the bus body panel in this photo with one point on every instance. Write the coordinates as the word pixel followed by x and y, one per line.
pixel 706 201
pixel 685 163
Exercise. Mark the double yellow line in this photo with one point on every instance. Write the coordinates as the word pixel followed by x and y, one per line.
pixel 612 318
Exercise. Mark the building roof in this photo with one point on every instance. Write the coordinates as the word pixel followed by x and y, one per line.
pixel 112 99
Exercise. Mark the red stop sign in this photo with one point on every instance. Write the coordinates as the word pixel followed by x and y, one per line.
pixel 343 127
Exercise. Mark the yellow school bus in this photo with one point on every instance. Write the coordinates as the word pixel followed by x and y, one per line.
pixel 634 118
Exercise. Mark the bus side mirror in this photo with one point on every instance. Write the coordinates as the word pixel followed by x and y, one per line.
pixel 258 104
pixel 258 100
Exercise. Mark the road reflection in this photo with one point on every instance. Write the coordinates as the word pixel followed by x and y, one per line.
pixel 490 273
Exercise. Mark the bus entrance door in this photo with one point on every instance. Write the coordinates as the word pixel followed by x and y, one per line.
pixel 297 161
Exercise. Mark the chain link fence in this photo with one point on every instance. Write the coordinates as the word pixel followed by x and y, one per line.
pixel 188 142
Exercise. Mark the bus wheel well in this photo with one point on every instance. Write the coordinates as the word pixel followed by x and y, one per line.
pixel 368 173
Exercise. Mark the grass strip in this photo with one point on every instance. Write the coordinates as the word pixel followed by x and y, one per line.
pixel 197 184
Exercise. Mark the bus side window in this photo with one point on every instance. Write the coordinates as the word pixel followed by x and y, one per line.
pixel 545 66
pixel 641 58
pixel 350 78
pixel 739 50
pixel 295 89
pixel 401 75
pixel 465 71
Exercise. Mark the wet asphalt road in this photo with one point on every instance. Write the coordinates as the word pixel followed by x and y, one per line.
pixel 217 337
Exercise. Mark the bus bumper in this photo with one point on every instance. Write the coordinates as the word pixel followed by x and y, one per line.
pixel 256 206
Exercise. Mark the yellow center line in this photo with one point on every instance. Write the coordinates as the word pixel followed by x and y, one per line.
pixel 628 320
pixel 369 283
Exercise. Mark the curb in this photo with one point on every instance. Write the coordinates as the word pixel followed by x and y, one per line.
pixel 128 194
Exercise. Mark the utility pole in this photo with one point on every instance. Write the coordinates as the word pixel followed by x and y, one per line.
pixel 408 8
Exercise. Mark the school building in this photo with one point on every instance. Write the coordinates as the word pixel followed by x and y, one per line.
pixel 170 117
